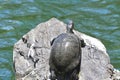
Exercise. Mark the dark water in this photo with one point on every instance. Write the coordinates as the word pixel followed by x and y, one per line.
pixel 98 18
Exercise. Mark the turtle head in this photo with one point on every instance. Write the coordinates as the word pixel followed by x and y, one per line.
pixel 70 26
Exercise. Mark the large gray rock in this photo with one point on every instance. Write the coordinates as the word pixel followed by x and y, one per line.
pixel 31 54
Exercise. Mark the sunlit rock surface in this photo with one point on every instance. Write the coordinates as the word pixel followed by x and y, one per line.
pixel 31 54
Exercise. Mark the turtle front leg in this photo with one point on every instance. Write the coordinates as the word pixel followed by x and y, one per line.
pixel 82 43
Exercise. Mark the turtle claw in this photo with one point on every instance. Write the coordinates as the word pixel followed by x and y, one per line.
pixel 51 42
pixel 53 76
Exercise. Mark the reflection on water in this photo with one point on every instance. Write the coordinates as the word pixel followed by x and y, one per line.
pixel 98 18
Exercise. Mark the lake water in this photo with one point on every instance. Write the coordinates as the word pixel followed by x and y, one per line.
pixel 97 18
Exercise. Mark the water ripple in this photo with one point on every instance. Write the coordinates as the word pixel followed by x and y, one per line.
pixel 3 60
pixel 5 74
pixel 96 10
pixel 7 42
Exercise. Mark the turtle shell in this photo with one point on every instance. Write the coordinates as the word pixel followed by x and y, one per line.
pixel 65 52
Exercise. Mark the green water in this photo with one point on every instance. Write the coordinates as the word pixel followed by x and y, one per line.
pixel 98 18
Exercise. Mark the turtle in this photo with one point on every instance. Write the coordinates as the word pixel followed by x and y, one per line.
pixel 65 55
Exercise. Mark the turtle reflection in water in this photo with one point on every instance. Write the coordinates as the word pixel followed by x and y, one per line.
pixel 65 56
